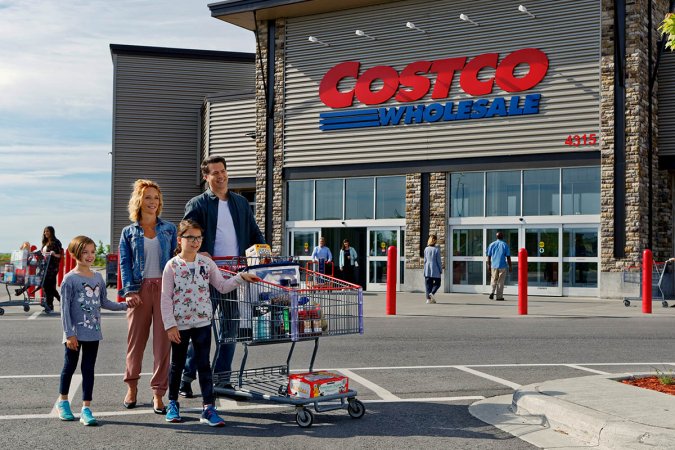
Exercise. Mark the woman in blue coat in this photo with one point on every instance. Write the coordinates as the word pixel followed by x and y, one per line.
pixel 432 268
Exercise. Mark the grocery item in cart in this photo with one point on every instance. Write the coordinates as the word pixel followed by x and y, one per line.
pixel 258 254
pixel 317 384
pixel 20 258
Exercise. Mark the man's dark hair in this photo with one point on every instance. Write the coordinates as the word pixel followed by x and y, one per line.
pixel 500 235
pixel 212 160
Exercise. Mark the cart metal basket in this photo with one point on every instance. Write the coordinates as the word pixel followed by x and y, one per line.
pixel 631 282
pixel 291 304
pixel 25 281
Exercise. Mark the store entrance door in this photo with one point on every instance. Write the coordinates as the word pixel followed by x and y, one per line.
pixel 543 267
pixel 357 238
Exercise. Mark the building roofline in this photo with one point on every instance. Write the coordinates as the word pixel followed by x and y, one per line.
pixel 140 50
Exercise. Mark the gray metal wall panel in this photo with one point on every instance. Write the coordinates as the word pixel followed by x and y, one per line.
pixel 156 125
pixel 567 31
pixel 229 121
pixel 666 96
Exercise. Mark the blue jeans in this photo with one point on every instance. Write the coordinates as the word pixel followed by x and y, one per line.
pixel 89 353
pixel 227 314
pixel 432 285
pixel 200 340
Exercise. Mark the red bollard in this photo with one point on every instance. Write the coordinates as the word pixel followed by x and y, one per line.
pixel 647 262
pixel 119 282
pixel 391 281
pixel 31 290
pixel 66 263
pixel 522 282
pixel 62 266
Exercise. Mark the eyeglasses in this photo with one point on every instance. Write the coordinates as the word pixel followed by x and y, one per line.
pixel 192 238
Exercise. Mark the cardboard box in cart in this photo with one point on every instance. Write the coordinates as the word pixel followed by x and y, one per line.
pixel 317 384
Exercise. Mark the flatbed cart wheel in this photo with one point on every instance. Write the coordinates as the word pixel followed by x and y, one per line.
pixel 304 418
pixel 26 308
pixel 356 409
pixel 626 303
pixel 2 312
pixel 664 304
pixel 283 390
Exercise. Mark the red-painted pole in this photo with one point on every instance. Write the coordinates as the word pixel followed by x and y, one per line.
pixel 66 263
pixel 119 281
pixel 62 265
pixel 391 281
pixel 31 290
pixel 647 263
pixel 73 263
pixel 522 282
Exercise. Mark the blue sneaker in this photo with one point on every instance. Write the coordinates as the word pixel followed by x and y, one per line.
pixel 64 410
pixel 211 417
pixel 173 412
pixel 87 418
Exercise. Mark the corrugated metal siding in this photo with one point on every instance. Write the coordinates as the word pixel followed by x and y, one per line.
pixel 666 95
pixel 230 118
pixel 567 31
pixel 156 125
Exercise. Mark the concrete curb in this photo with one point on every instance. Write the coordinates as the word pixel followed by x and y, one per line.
pixel 625 417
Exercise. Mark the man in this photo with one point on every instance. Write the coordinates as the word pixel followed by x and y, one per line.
pixel 229 229
pixel 322 254
pixel 498 254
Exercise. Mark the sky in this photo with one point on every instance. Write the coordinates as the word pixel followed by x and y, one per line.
pixel 56 103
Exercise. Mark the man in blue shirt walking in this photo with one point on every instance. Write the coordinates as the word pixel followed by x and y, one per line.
pixel 322 254
pixel 498 254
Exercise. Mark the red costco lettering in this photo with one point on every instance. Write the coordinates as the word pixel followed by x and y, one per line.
pixel 413 83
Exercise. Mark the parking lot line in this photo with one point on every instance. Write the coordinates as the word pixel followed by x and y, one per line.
pixel 74 385
pixel 578 367
pixel 378 390
pixel 508 383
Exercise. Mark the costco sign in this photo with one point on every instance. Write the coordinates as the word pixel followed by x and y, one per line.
pixel 414 82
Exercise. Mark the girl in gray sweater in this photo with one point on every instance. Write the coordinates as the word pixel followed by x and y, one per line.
pixel 83 294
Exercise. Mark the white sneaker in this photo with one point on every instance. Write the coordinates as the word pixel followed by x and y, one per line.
pixel 432 299
pixel 428 301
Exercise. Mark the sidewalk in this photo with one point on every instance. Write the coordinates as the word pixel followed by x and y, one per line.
pixel 585 412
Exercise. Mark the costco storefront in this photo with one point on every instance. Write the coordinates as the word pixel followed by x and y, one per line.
pixel 383 122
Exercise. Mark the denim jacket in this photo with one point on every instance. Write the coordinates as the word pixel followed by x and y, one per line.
pixel 132 261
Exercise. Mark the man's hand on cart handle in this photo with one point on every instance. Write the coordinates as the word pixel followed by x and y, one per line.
pixel 671 260
pixel 133 299
pixel 174 335
pixel 250 277
pixel 72 343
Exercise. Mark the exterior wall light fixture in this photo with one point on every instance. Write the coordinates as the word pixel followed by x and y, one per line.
pixel 413 27
pixel 363 34
pixel 316 40
pixel 465 18
pixel 523 9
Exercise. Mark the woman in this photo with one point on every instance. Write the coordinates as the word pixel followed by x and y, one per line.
pixel 348 261
pixel 52 247
pixel 145 247
pixel 432 268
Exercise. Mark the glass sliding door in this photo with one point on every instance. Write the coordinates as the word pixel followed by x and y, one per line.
pixel 580 260
pixel 379 241
pixel 468 264
pixel 543 261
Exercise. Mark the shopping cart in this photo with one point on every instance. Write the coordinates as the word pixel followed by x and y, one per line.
pixel 286 307
pixel 631 281
pixel 24 281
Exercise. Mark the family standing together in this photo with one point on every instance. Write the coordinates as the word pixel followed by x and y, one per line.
pixel 167 276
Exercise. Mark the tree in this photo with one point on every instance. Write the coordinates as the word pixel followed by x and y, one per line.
pixel 667 28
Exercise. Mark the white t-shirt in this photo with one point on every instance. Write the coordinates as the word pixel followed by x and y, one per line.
pixel 226 237
pixel 151 254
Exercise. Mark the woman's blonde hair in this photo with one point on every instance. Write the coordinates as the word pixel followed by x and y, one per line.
pixel 432 239
pixel 77 245
pixel 137 198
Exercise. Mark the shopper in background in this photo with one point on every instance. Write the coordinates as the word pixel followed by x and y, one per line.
pixel 498 255
pixel 348 261
pixel 229 229
pixel 52 247
pixel 433 268
pixel 145 247
pixel 322 255
pixel 84 294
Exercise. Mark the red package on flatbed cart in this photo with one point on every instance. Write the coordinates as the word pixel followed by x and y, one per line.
pixel 317 384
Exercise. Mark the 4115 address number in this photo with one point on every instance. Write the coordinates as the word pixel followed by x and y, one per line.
pixel 579 140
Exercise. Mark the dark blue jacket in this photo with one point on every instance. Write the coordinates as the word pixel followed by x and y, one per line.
pixel 204 210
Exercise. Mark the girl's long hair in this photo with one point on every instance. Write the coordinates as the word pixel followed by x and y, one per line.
pixel 432 239
pixel 52 236
pixel 183 226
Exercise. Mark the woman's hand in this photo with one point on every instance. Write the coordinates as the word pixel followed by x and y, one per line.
pixel 133 300
pixel 250 277
pixel 174 335
pixel 72 343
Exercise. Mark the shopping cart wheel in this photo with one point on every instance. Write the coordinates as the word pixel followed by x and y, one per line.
pixel 26 308
pixel 283 390
pixel 626 303
pixel 304 418
pixel 2 312
pixel 664 304
pixel 356 409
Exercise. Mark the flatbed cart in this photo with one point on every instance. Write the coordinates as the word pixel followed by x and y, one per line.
pixel 30 279
pixel 286 308
pixel 631 279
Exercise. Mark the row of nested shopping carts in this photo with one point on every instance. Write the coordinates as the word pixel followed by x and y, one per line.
pixel 291 304
pixel 632 279
pixel 24 276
